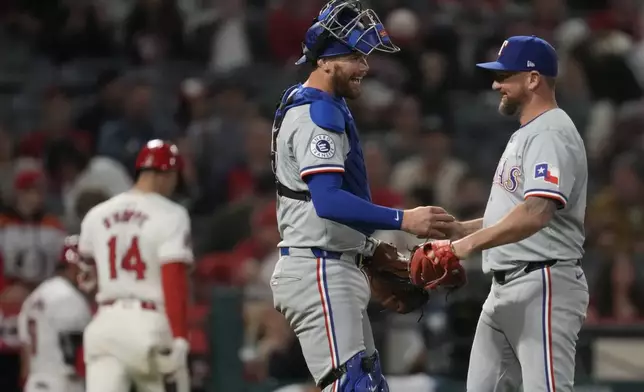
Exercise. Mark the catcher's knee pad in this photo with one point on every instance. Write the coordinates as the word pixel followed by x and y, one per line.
pixel 363 374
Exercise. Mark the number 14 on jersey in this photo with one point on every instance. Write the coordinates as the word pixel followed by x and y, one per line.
pixel 131 261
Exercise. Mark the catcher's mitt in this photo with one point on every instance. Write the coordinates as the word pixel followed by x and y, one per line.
pixel 388 274
pixel 434 265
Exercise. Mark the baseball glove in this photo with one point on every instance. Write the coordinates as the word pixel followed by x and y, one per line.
pixel 388 274
pixel 434 264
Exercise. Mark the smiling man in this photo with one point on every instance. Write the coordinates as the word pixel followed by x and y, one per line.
pixel 325 213
pixel 531 235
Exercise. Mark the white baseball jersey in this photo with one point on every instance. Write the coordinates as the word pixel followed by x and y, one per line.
pixel 130 237
pixel 54 309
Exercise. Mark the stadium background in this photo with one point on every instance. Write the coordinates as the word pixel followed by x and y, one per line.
pixel 83 83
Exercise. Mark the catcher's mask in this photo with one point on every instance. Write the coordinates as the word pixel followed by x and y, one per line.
pixel 344 27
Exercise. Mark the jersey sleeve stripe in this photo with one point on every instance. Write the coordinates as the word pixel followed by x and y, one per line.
pixel 321 169
pixel 546 193
pixel 322 165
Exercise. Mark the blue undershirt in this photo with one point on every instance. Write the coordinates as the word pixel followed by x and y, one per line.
pixel 334 203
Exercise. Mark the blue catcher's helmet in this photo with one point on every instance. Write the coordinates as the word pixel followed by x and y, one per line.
pixel 344 27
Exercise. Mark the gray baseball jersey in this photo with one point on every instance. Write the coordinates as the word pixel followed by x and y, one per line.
pixel 303 148
pixel 323 294
pixel 530 321
pixel 544 158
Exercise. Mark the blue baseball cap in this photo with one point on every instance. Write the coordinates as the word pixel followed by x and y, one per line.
pixel 524 54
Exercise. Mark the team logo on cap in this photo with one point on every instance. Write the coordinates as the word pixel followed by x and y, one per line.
pixel 322 146
pixel 505 43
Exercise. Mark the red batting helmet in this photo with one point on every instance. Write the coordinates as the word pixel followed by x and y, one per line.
pixel 158 155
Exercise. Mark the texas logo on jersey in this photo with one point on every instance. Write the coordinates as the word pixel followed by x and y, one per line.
pixel 547 173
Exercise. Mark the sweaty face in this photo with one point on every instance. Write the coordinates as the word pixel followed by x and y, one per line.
pixel 513 90
pixel 347 74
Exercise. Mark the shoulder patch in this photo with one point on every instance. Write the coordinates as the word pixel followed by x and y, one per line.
pixel 327 116
pixel 547 173
pixel 322 146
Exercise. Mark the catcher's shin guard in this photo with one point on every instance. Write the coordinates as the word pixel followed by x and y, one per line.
pixel 361 373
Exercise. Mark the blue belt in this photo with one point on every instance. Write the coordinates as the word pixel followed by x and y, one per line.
pixel 321 253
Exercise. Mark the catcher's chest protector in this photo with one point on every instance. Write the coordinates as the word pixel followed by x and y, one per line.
pixel 355 175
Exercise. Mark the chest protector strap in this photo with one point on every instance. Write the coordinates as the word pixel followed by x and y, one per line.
pixel 283 190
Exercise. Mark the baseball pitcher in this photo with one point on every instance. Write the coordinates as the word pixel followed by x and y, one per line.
pixel 325 213
pixel 139 242
pixel 531 235
pixel 50 327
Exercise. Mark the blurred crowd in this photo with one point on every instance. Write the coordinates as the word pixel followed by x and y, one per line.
pixel 85 83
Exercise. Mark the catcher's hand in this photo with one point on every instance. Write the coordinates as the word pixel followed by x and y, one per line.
pixel 388 274
pixel 434 264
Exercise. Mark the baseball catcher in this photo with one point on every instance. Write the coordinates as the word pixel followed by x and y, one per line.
pixel 325 211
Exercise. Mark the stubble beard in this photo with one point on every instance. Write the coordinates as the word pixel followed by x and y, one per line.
pixel 343 87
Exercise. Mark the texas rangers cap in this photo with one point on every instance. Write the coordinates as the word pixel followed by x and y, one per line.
pixel 524 54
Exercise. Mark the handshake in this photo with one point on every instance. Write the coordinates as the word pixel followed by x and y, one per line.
pixel 430 222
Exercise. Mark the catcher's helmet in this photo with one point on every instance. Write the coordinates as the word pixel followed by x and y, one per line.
pixel 158 155
pixel 343 27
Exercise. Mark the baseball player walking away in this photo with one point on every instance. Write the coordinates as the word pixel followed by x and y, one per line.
pixel 50 327
pixel 531 235
pixel 139 242
pixel 325 213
